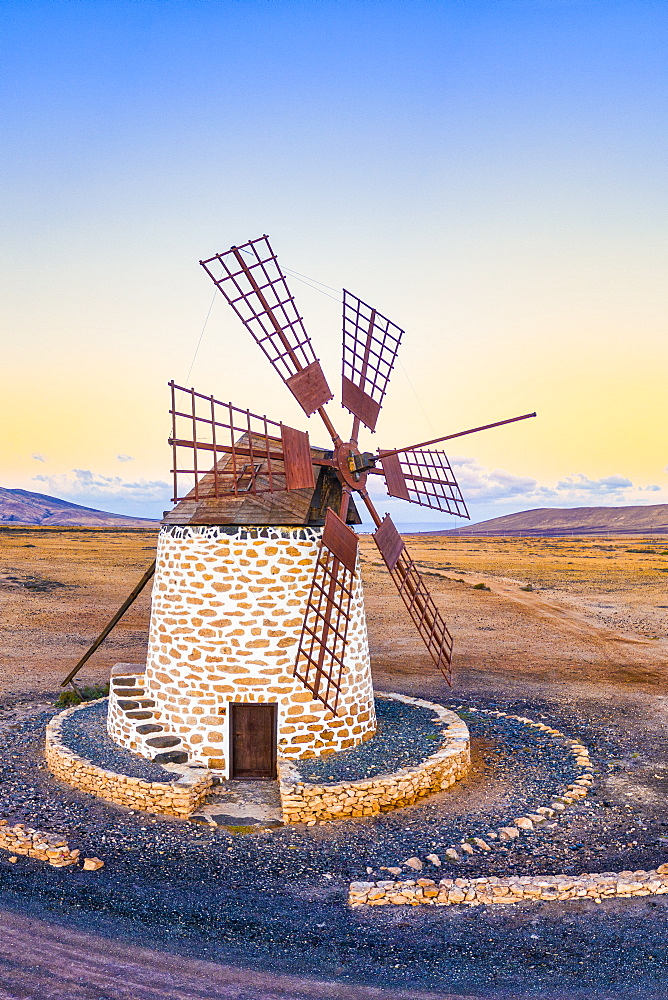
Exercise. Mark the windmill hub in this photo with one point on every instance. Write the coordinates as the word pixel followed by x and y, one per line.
pixel 353 465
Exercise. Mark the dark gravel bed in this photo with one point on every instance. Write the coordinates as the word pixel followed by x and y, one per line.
pixel 405 736
pixel 276 899
pixel 85 732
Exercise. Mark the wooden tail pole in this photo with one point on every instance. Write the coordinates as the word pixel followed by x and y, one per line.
pixel 449 437
pixel 114 621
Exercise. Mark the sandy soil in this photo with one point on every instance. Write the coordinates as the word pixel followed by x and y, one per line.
pixel 58 588
pixel 598 613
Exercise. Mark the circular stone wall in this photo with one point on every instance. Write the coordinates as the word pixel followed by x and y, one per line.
pixel 305 801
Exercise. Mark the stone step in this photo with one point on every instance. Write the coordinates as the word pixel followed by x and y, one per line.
pixel 151 727
pixel 127 706
pixel 128 695
pixel 122 682
pixel 162 742
pixel 171 757
pixel 139 715
pixel 128 670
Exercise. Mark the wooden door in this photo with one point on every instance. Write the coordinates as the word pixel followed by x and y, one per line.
pixel 253 740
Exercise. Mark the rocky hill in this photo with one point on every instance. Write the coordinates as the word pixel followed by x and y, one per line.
pixel 546 521
pixel 19 507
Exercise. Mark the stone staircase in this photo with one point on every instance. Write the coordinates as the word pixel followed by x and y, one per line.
pixel 132 719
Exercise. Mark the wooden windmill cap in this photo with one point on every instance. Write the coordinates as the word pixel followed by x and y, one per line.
pixel 283 507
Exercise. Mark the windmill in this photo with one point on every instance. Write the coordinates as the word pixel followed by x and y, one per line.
pixel 243 481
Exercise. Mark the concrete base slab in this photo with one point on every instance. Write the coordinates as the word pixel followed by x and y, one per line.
pixel 242 803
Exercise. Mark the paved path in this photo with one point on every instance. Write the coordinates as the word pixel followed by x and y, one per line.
pixel 242 803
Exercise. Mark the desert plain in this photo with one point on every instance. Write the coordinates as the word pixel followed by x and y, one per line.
pixel 573 631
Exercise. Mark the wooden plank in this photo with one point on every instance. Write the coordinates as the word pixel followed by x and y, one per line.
pixel 394 477
pixel 359 403
pixel 341 540
pixel 253 740
pixel 297 459
pixel 309 387
pixel 389 541
pixel 289 508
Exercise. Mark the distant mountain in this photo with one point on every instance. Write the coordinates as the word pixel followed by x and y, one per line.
pixel 19 507
pixel 546 521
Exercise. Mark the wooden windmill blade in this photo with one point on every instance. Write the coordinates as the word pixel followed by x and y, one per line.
pixel 320 656
pixel 370 346
pixel 425 478
pixel 250 453
pixel 415 595
pixel 253 283
pixel 413 591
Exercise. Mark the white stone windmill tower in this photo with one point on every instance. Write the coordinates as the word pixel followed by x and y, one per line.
pixel 258 641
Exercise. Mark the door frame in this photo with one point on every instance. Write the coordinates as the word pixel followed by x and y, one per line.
pixel 274 737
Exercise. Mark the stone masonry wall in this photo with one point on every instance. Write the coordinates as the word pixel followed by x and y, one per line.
pixel 121 726
pixel 226 618
pixel 171 798
pixel 304 802
pixel 517 889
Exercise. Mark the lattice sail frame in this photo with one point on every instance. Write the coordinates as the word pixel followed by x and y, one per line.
pixel 253 283
pixel 224 451
pixel 370 346
pixel 415 595
pixel 321 654
pixel 426 478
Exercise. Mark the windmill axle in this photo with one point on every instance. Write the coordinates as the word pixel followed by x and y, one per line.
pixel 352 465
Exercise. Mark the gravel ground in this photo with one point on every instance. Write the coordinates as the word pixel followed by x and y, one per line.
pixel 85 732
pixel 276 899
pixel 406 735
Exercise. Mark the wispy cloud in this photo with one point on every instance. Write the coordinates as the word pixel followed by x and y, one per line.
pixel 492 492
pixel 582 484
pixel 39 458
pixel 91 489
pixel 484 485
pixel 481 484
pixel 125 458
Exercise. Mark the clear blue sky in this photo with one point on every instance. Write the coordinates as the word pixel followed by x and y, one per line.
pixel 490 175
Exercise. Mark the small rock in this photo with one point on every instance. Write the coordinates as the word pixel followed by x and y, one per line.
pixel 452 854
pixel 481 844
pixel 435 860
pixel 414 863
pixel 508 833
pixel 545 811
pixel 557 806
pixel 523 823
pixel 392 871
pixel 662 869
pixel 13 859
pixel 467 848
pixel 92 864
